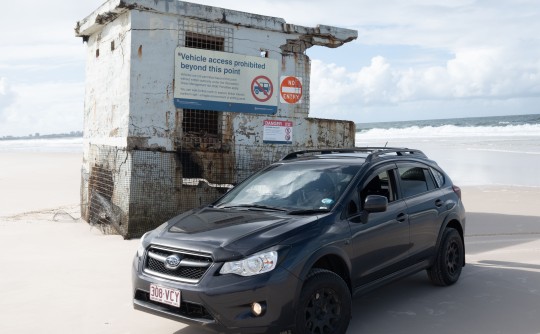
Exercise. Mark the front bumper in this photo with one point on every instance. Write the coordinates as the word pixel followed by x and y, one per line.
pixel 223 302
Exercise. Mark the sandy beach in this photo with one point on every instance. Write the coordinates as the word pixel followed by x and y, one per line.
pixel 38 180
pixel 61 275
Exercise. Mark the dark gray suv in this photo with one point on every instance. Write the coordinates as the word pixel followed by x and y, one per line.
pixel 285 250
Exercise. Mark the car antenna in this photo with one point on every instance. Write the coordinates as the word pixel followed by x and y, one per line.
pixel 386 144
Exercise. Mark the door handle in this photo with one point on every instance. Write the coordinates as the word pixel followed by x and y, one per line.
pixel 402 217
pixel 438 203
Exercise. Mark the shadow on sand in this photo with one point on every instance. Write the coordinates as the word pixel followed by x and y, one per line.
pixel 491 296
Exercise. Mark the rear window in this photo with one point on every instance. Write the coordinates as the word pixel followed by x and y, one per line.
pixel 438 176
pixel 413 181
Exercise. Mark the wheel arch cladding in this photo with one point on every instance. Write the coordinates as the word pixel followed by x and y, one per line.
pixel 336 264
pixel 456 225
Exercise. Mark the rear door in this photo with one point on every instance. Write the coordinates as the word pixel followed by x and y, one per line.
pixel 425 207
pixel 380 239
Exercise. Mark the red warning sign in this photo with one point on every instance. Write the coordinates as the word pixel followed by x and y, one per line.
pixel 291 90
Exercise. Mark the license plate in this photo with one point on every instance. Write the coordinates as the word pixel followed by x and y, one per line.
pixel 165 295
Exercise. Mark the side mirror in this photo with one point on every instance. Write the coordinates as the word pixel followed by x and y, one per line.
pixel 376 203
pixel 352 209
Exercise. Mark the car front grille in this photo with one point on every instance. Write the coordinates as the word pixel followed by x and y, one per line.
pixel 191 268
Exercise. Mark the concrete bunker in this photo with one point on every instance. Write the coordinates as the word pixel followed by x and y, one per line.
pixel 184 100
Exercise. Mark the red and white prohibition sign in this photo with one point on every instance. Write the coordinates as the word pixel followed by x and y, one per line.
pixel 262 88
pixel 291 90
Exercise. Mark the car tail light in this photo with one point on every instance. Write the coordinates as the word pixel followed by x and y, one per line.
pixel 457 190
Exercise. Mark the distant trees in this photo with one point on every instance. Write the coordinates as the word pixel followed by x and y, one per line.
pixel 71 134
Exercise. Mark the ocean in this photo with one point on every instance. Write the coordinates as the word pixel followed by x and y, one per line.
pixel 45 145
pixel 501 150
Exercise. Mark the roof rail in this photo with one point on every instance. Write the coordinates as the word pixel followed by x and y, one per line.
pixel 398 151
pixel 373 152
pixel 312 152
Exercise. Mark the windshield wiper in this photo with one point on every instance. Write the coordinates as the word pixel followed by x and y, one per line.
pixel 308 211
pixel 254 206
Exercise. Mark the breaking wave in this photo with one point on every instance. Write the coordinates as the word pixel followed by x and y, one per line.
pixel 451 131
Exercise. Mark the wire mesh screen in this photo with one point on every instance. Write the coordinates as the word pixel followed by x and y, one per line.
pixel 303 70
pixel 203 125
pixel 206 42
pixel 205 35
pixel 250 159
pixel 153 190
pixel 101 185
pixel 131 192
pixel 200 122
pixel 105 185
pixel 197 124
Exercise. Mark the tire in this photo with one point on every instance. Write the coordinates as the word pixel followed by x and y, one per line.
pixel 449 259
pixel 325 304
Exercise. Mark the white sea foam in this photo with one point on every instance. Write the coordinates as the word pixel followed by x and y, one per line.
pixel 471 155
pixel 501 150
pixel 452 131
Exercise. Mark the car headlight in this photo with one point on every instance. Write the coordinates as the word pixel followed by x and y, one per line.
pixel 256 264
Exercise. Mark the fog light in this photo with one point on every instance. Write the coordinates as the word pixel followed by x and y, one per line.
pixel 257 309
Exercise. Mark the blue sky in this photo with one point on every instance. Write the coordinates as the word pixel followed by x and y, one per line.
pixel 413 59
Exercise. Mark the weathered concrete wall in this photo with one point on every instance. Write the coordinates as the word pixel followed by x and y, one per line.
pixel 152 113
pixel 140 168
pixel 106 167
pixel 108 74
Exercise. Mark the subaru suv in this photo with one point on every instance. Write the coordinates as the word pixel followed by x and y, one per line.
pixel 286 250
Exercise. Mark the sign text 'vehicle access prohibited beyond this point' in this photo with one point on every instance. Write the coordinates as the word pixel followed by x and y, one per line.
pixel 223 81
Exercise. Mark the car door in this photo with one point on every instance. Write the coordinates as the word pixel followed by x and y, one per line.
pixel 425 205
pixel 380 239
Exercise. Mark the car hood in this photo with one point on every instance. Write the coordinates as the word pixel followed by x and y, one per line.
pixel 230 234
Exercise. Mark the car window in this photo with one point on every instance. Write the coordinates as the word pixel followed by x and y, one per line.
pixel 413 180
pixel 299 186
pixel 429 179
pixel 379 184
pixel 438 176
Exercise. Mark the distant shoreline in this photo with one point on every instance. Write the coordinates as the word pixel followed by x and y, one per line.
pixel 72 134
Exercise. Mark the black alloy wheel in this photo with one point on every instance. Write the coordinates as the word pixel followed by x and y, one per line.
pixel 325 304
pixel 449 260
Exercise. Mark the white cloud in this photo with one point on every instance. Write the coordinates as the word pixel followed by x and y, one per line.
pixel 7 96
pixel 472 73
pixel 39 89
pixel 47 107
pixel 36 53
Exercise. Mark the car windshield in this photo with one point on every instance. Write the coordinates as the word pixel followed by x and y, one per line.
pixel 295 187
